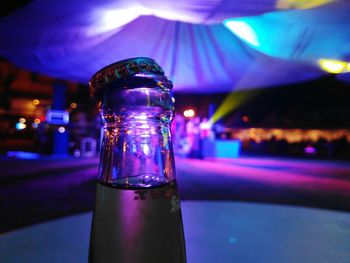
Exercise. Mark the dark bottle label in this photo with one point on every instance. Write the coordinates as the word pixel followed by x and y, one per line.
pixel 137 226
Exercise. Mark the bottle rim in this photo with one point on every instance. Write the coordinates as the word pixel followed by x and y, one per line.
pixel 128 73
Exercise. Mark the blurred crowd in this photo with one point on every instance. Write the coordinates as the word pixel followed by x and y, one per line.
pixel 188 135
pixel 322 148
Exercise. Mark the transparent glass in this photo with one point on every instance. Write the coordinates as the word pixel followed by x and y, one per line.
pixel 137 215
pixel 136 148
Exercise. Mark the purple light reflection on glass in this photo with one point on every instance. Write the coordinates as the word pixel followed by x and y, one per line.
pixel 132 215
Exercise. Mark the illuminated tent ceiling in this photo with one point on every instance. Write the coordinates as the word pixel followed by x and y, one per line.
pixel 204 46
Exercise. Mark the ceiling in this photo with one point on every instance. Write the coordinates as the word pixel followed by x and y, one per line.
pixel 204 46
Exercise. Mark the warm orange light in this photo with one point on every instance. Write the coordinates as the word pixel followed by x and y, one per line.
pixel 22 120
pixel 36 102
pixel 189 113
pixel 290 135
pixel 73 105
pixel 37 121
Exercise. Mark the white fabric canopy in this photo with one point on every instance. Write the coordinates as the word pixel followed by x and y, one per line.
pixel 74 39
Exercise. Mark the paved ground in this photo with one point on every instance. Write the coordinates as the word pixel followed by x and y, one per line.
pixel 33 191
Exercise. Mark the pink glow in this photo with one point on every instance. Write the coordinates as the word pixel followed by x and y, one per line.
pixel 293 175
pixel 310 149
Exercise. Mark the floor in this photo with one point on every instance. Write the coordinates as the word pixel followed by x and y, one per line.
pixel 33 191
pixel 214 231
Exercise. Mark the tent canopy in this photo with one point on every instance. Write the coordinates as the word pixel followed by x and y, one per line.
pixel 204 46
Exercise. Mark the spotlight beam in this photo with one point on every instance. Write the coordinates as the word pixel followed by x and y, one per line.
pixel 232 102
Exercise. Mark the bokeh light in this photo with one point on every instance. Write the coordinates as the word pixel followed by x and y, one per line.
pixel 61 129
pixel 334 66
pixel 20 126
pixel 37 121
pixel 22 120
pixel 189 113
pixel 245 118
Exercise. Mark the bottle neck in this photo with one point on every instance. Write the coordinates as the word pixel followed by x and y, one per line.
pixel 136 148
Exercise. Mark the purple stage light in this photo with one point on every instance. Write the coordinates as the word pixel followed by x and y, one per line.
pixel 310 149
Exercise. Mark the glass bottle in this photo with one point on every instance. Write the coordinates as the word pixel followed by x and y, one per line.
pixel 137 215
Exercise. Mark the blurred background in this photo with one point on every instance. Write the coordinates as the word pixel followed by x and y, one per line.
pixel 293 150
pixel 307 120
pixel 261 89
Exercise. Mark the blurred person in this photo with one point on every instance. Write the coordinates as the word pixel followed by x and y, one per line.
pixel 205 129
pixel 192 131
